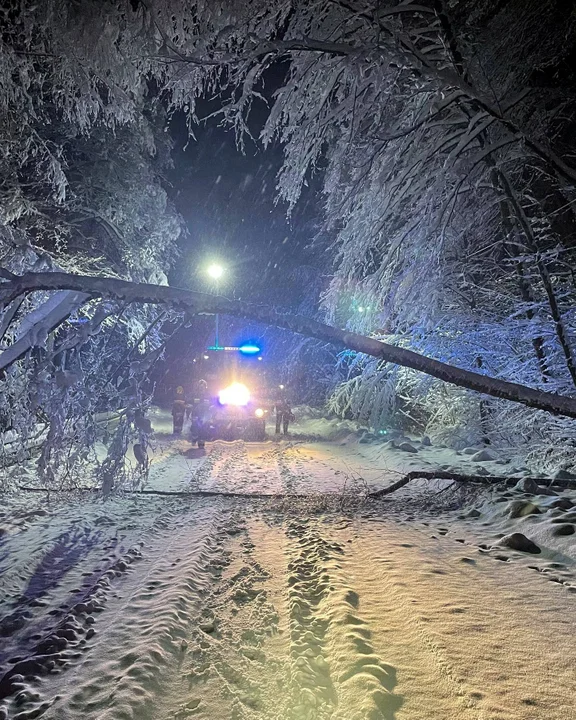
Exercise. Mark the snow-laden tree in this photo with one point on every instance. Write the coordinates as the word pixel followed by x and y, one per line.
pixel 442 131
pixel 82 191
pixel 445 188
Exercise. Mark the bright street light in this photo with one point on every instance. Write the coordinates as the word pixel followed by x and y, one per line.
pixel 215 271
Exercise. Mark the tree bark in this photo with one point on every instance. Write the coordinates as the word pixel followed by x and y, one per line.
pixel 190 302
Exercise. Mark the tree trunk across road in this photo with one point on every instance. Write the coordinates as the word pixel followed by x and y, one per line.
pixel 195 303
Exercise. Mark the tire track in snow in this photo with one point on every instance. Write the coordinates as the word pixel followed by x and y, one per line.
pixel 336 672
pixel 400 576
pixel 239 467
pixel 314 695
pixel 228 671
pixel 142 633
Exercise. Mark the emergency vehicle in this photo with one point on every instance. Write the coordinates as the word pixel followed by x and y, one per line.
pixel 230 398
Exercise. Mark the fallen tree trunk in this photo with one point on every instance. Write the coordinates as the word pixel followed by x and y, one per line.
pixel 400 483
pixel 195 303
pixel 190 493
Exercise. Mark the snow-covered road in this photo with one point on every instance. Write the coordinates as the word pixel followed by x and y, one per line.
pixel 162 608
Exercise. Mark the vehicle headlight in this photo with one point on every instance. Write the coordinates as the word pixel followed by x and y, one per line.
pixel 259 413
pixel 235 394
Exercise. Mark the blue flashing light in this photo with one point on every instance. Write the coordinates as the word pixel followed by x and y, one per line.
pixel 249 349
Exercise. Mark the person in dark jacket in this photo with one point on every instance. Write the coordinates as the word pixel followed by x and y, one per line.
pixel 178 410
pixel 283 414
pixel 200 413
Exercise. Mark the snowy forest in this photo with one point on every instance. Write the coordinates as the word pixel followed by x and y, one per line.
pixel 287 359
pixel 439 138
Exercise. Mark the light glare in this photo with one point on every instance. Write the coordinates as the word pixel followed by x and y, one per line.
pixel 235 394
pixel 215 271
pixel 249 349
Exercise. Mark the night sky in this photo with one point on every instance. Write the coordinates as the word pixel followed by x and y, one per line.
pixel 227 199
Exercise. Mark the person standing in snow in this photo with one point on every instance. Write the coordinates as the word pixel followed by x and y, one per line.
pixel 283 413
pixel 200 413
pixel 178 410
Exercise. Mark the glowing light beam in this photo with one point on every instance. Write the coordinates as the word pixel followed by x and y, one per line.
pixel 235 394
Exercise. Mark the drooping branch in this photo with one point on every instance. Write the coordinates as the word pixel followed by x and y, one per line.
pixel 39 323
pixel 9 315
pixel 190 302
pixel 423 64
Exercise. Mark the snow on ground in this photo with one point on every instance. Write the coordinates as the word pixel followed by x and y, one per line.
pixel 329 606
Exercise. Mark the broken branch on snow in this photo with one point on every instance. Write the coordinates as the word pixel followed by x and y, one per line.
pixel 458 477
